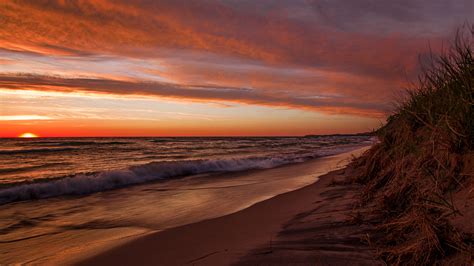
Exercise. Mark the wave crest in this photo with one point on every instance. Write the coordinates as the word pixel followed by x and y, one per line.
pixel 83 184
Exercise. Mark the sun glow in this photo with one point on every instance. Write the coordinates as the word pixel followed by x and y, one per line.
pixel 28 135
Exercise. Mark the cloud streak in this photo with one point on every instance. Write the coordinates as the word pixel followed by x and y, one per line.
pixel 24 117
pixel 147 29
pixel 334 57
pixel 198 93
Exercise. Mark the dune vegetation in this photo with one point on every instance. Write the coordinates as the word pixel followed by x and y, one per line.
pixel 418 179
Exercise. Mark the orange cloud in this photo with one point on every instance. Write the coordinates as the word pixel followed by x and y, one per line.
pixel 198 93
pixel 328 56
pixel 68 28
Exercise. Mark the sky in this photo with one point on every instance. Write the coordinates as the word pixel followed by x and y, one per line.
pixel 213 67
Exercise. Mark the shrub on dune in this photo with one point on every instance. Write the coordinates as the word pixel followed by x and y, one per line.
pixel 423 161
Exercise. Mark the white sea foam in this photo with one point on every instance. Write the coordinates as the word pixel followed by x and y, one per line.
pixel 83 184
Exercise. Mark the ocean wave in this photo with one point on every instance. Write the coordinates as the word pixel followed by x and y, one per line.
pixel 29 151
pixel 28 168
pixel 84 184
pixel 88 143
pixel 72 143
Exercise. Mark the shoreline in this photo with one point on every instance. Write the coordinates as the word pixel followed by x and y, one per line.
pixel 303 226
pixel 74 229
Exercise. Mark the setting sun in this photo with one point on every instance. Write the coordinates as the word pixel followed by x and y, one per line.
pixel 28 135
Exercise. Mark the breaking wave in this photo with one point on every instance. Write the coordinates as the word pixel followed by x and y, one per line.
pixel 83 184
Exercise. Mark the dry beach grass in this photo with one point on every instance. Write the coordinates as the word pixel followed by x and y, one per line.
pixel 423 165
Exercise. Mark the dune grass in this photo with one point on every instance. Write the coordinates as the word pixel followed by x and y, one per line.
pixel 424 157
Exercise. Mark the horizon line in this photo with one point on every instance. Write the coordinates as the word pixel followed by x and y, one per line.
pixel 197 136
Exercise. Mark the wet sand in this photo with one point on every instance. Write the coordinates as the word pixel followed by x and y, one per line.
pixel 308 226
pixel 65 230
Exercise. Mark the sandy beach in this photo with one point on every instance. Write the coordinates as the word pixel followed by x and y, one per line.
pixel 308 226
pixel 74 228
